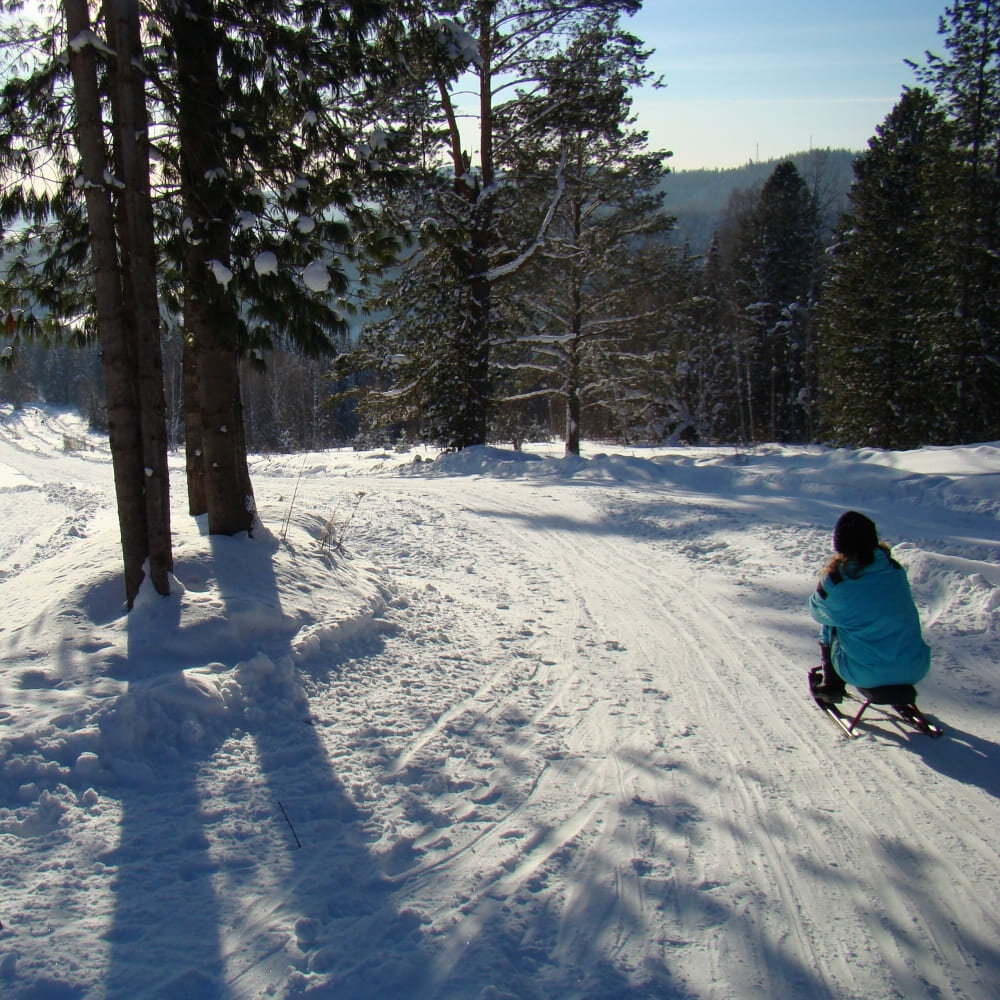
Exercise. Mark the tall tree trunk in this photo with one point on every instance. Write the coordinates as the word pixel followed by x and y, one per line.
pixel 194 461
pixel 475 420
pixel 211 319
pixel 139 273
pixel 573 409
pixel 228 492
pixel 124 432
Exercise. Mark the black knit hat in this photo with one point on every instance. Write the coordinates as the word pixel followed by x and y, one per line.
pixel 854 534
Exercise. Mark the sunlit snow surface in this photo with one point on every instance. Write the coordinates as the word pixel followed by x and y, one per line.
pixel 491 725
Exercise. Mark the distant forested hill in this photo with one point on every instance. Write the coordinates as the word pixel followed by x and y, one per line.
pixel 698 198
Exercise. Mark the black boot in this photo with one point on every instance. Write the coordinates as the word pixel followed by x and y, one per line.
pixel 832 688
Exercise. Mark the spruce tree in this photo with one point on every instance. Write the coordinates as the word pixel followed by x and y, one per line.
pixel 966 80
pixel 889 307
pixel 777 266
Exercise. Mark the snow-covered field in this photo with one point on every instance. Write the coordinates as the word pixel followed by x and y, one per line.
pixel 491 726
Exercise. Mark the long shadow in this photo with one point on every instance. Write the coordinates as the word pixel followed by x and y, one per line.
pixel 965 757
pixel 145 932
pixel 802 492
pixel 970 759
pixel 333 892
pixel 511 946
pixel 162 861
pixel 662 521
pixel 190 922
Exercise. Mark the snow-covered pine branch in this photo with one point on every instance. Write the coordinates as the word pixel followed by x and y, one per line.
pixel 500 271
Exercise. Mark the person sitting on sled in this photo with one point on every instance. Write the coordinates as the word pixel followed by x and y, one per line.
pixel 870 634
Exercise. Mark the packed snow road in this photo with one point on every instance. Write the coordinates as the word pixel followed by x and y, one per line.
pixel 666 797
pixel 508 726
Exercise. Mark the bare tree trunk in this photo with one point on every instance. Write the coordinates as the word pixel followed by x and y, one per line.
pixel 210 317
pixel 139 272
pixel 574 410
pixel 228 493
pixel 118 364
pixel 573 417
pixel 475 337
pixel 194 461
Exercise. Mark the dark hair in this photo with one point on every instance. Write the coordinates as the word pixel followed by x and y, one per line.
pixel 855 539
pixel 849 565
pixel 855 535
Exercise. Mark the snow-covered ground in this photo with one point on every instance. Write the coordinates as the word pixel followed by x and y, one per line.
pixel 491 726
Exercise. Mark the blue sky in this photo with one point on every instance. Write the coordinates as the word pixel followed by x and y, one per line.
pixel 759 80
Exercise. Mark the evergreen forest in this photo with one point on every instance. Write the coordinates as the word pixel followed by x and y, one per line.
pixel 301 224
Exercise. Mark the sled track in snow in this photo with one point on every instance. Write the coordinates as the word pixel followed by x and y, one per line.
pixel 571 756
pixel 684 856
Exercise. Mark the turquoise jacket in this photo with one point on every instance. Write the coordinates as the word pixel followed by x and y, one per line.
pixel 871 624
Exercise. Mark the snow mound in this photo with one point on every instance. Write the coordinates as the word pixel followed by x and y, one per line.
pixel 178 674
pixel 482 460
pixel 971 485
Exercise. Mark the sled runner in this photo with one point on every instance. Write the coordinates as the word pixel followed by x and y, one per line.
pixel 902 698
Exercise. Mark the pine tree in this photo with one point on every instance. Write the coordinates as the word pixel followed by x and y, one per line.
pixel 888 312
pixel 437 349
pixel 592 302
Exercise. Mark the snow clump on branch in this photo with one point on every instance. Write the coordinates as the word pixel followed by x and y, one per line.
pixel 458 42
pixel 220 272
pixel 266 262
pixel 316 277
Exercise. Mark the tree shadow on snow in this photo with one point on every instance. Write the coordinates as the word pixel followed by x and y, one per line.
pixel 166 913
pixel 196 894
pixel 333 891
pixel 533 945
pixel 167 916
pixel 663 521
pixel 566 917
